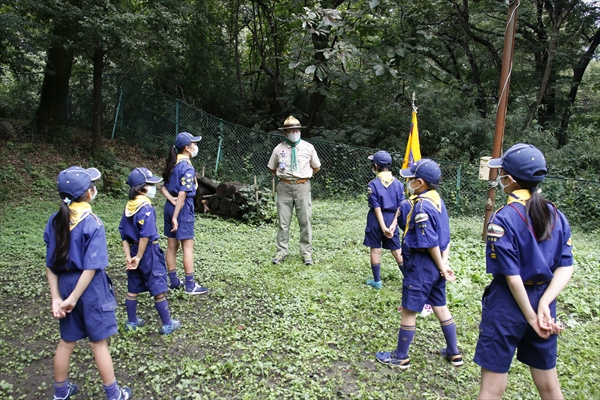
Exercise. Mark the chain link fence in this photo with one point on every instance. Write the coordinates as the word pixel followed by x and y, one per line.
pixel 229 152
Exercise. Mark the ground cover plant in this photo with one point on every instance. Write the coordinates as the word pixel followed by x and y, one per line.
pixel 265 331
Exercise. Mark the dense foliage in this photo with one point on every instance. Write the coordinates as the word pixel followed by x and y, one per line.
pixel 347 69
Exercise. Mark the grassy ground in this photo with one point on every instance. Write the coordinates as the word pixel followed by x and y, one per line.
pixel 265 331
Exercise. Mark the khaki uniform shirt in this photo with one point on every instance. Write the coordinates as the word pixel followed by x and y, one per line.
pixel 306 157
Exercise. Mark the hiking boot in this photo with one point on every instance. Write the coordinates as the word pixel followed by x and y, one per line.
pixel 168 329
pixel 375 285
pixel 73 389
pixel 132 326
pixel 389 358
pixel 307 261
pixel 456 360
pixel 278 259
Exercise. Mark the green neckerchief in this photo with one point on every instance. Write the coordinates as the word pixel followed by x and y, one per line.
pixel 294 160
pixel 386 178
pixel 134 205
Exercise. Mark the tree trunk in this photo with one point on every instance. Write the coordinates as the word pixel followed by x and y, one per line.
pixel 578 72
pixel 51 118
pixel 98 60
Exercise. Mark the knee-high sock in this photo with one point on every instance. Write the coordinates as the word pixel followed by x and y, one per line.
pixel 162 306
pixel 173 277
pixel 449 329
pixel 405 337
pixel 189 281
pixel 112 390
pixel 376 268
pixel 131 306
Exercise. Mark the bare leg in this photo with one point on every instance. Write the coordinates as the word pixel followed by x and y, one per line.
pixel 547 383
pixel 172 247
pixel 62 359
pixel 398 255
pixel 375 255
pixel 442 313
pixel 493 384
pixel 188 255
pixel 103 361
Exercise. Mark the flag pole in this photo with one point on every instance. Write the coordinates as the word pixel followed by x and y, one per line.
pixel 509 46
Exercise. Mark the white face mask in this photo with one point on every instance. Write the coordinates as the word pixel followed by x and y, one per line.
pixel 500 177
pixel 195 151
pixel 151 191
pixel 95 193
pixel 293 137
pixel 411 191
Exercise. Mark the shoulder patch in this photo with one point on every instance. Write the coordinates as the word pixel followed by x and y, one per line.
pixel 369 190
pixel 141 222
pixel 421 217
pixel 495 230
pixel 570 242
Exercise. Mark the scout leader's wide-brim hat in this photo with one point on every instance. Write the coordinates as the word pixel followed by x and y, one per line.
pixel 74 181
pixel 382 158
pixel 291 123
pixel 425 169
pixel 142 175
pixel 185 138
pixel 522 161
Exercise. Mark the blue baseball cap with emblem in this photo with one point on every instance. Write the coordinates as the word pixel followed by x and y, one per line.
pixel 522 161
pixel 142 175
pixel 185 138
pixel 425 169
pixel 75 181
pixel 382 158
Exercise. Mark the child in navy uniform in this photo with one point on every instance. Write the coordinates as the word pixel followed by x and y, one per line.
pixel 179 189
pixel 385 195
pixel 83 298
pixel 529 254
pixel 425 249
pixel 146 267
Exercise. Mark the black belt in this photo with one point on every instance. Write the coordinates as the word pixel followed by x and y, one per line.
pixel 532 283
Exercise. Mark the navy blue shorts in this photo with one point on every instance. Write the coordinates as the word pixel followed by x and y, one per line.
pixel 422 283
pixel 151 273
pixel 504 329
pixel 374 238
pixel 185 220
pixel 94 315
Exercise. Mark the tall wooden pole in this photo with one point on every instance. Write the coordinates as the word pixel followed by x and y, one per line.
pixel 509 46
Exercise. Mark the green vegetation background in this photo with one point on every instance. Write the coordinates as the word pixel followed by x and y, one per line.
pixel 265 331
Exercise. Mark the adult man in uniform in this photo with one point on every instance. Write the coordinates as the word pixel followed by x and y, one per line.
pixel 294 162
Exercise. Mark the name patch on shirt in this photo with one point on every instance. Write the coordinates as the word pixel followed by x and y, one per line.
pixel 494 230
pixel 421 217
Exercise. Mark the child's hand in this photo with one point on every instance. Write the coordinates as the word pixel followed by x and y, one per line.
pixel 133 263
pixel 57 312
pixel 447 273
pixel 127 261
pixel 173 200
pixel 68 305
pixel 175 225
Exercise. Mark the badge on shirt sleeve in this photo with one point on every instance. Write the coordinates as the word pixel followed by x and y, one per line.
pixel 369 190
pixel 421 217
pixel 141 222
pixel 494 230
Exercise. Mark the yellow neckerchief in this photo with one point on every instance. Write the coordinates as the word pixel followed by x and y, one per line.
pixel 180 158
pixel 133 206
pixel 519 196
pixel 386 178
pixel 79 210
pixel 432 196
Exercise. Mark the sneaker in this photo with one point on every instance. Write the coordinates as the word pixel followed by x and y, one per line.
pixel 308 261
pixel 197 289
pixel 168 329
pixel 73 389
pixel 132 326
pixel 124 394
pixel 278 259
pixel 456 360
pixel 389 358
pixel 375 285
pixel 180 284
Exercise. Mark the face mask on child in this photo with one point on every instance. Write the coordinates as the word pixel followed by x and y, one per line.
pixel 195 151
pixel 151 191
pixel 95 193
pixel 411 191
pixel 500 177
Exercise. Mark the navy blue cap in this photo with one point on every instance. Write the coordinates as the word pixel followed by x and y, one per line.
pixel 522 161
pixel 382 158
pixel 425 169
pixel 185 138
pixel 142 175
pixel 75 181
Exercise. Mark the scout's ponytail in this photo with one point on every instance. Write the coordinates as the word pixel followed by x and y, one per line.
pixel 62 231
pixel 171 161
pixel 542 219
